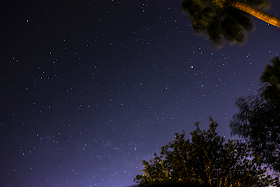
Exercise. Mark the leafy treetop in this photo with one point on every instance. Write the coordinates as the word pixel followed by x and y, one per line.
pixel 205 160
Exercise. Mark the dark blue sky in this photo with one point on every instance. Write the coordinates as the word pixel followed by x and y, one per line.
pixel 91 88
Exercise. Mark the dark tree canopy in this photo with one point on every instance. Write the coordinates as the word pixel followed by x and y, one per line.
pixel 258 119
pixel 226 20
pixel 271 78
pixel 204 160
pixel 260 124
pixel 218 22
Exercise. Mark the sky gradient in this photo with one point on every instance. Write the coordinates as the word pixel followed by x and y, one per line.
pixel 89 89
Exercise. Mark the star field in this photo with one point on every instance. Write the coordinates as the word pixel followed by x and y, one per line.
pixel 89 89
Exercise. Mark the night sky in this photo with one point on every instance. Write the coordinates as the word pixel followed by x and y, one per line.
pixel 89 89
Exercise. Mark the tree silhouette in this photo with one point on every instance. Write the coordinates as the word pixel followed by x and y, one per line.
pixel 258 119
pixel 271 78
pixel 258 122
pixel 205 160
pixel 226 19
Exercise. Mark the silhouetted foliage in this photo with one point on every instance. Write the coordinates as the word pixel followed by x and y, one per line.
pixel 225 19
pixel 271 78
pixel 205 160
pixel 258 119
